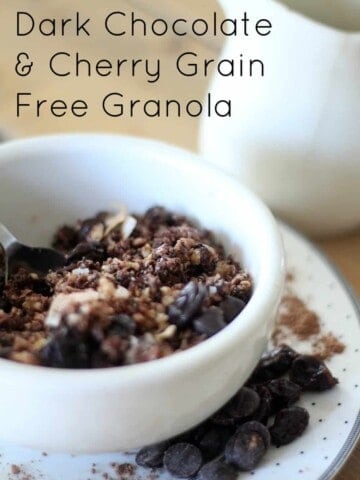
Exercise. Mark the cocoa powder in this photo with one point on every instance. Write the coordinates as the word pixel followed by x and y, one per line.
pixel 296 316
pixel 327 346
pixel 297 320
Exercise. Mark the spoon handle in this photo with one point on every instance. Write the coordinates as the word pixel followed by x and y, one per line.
pixel 6 238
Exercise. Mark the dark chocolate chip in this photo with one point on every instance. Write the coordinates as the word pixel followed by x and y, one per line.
pixel 210 439
pixel 221 418
pixel 289 424
pixel 311 374
pixel 265 409
pixel 92 251
pixel 247 447
pixel 66 350
pixel 187 305
pixel 242 406
pixel 273 364
pixel 122 325
pixel 210 322
pixel 284 393
pixel 258 427
pixel 231 307
pixel 217 470
pixel 156 216
pixel 152 456
pixel 183 460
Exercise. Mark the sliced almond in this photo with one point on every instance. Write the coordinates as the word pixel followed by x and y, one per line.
pixel 169 332
pixel 128 227
pixel 114 221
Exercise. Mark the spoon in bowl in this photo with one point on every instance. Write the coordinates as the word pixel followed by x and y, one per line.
pixel 38 260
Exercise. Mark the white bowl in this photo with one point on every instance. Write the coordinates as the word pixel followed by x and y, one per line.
pixel 47 181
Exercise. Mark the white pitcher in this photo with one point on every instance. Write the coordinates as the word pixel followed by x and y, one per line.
pixel 294 136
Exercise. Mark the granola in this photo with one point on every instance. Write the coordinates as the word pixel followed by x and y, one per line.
pixel 135 288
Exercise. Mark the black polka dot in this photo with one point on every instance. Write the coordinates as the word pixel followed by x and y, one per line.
pixel 324 438
pixel 278 464
pixel 339 404
pixel 313 403
pixel 320 420
pixel 356 386
pixel 301 471
pixel 356 350
pixel 346 421
pixel 344 369
pixel 302 452
pixel 326 457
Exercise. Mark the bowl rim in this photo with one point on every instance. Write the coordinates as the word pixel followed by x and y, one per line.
pixel 271 276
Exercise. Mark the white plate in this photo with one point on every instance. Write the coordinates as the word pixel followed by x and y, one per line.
pixel 335 418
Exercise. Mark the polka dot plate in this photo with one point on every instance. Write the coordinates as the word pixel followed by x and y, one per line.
pixel 334 416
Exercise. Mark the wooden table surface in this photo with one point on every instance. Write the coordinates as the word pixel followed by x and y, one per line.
pixel 344 250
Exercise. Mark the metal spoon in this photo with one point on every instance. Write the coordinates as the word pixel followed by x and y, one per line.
pixel 37 260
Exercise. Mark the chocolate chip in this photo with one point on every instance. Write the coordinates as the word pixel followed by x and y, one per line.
pixel 273 364
pixel 157 216
pixel 183 460
pixel 289 424
pixel 243 404
pixel 221 418
pixel 152 456
pixel 187 304
pixel 247 447
pixel 284 392
pixel 210 322
pixel 217 470
pixel 265 409
pixel 122 325
pixel 210 439
pixel 258 427
pixel 92 251
pixel 311 374
pixel 66 350
pixel 239 408
pixel 231 307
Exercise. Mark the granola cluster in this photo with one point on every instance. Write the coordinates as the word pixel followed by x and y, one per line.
pixel 135 288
